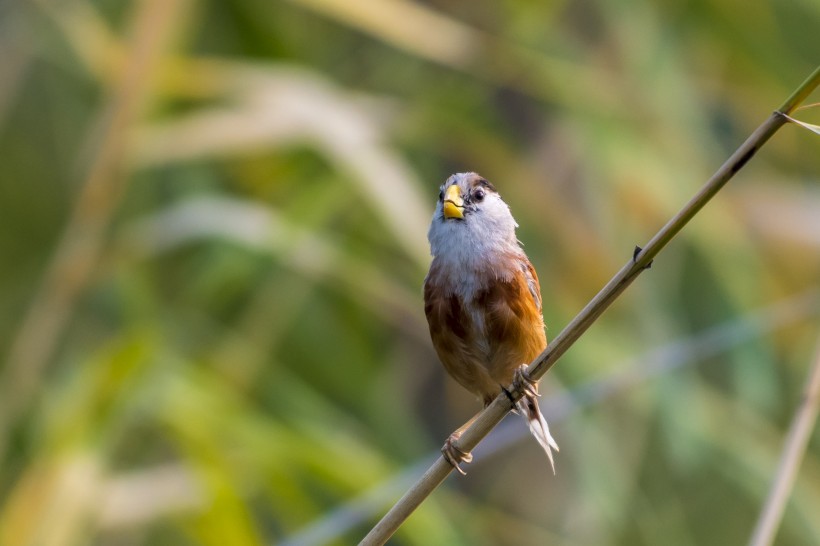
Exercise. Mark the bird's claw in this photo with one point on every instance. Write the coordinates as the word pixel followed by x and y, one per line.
pixel 524 383
pixel 454 455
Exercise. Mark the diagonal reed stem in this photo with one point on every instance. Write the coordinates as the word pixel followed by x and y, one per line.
pixel 793 451
pixel 641 260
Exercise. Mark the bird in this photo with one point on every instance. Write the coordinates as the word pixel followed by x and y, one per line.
pixel 483 303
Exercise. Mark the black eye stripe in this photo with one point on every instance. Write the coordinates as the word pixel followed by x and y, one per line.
pixel 483 182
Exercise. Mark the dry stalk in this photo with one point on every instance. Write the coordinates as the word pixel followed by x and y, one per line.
pixel 793 451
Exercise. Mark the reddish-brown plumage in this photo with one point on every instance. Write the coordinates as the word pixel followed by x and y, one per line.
pixel 481 342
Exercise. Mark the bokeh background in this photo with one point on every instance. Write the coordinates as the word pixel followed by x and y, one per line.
pixel 213 221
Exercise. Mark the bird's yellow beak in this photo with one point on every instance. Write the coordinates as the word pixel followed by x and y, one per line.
pixel 453 203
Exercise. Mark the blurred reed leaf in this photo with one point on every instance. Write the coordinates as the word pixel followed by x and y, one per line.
pixel 260 228
pixel 282 106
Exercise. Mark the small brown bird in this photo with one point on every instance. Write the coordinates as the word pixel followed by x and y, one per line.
pixel 483 302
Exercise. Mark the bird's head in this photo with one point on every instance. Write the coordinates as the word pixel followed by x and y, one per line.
pixel 471 220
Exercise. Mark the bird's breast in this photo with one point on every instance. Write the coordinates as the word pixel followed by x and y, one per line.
pixel 484 326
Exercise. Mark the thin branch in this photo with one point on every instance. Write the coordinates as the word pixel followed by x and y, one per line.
pixel 641 260
pixel 790 459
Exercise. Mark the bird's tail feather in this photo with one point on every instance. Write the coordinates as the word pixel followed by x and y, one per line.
pixel 528 407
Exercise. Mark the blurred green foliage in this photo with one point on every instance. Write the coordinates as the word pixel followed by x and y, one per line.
pixel 213 235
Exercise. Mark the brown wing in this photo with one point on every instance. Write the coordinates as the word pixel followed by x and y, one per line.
pixel 513 323
pixel 532 282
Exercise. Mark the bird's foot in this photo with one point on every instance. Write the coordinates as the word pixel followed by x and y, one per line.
pixel 523 382
pixel 454 454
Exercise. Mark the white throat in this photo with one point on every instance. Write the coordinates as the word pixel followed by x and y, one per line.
pixel 469 254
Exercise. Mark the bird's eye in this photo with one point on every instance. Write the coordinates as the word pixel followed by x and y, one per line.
pixel 441 194
pixel 478 195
